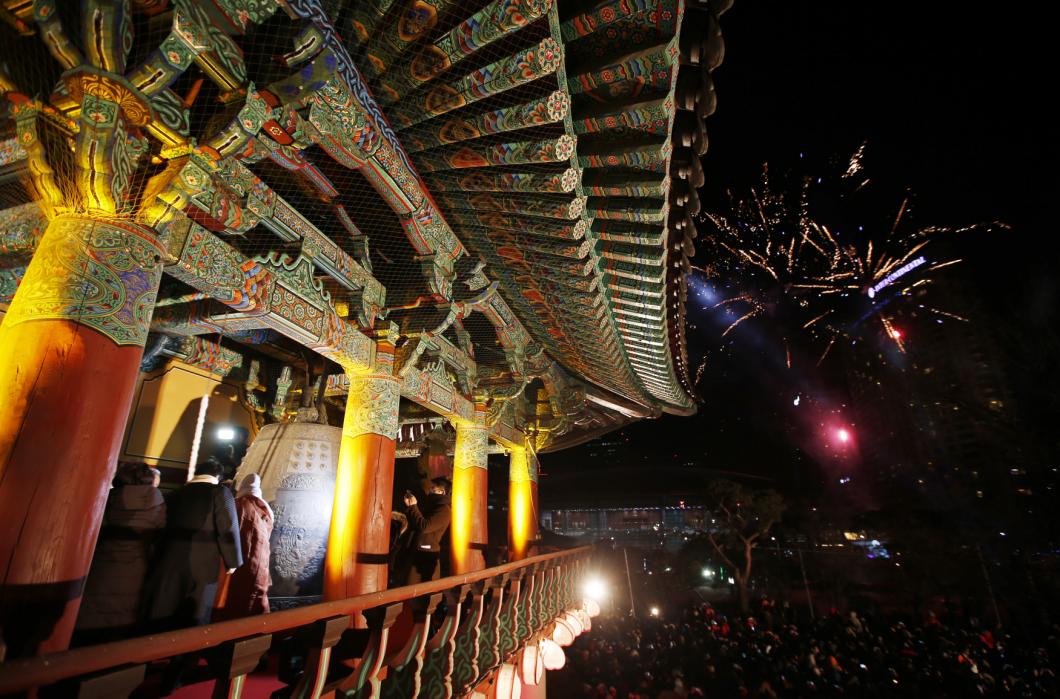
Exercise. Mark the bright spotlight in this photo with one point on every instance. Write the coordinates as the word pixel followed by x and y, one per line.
pixel 226 434
pixel 843 435
pixel 654 611
pixel 595 589
pixel 708 573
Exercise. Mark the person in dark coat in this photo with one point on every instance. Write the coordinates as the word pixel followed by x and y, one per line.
pixel 428 526
pixel 248 587
pixel 134 517
pixel 202 532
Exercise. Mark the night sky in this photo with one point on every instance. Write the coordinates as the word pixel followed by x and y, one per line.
pixel 953 106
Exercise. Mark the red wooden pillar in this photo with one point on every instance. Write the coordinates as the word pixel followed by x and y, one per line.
pixel 468 534
pixel 358 542
pixel 434 461
pixel 522 503
pixel 439 464
pixel 70 350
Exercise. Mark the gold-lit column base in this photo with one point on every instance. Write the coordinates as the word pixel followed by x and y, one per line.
pixel 522 503
pixel 357 553
pixel 469 533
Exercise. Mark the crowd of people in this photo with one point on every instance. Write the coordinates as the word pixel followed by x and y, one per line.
pixel 200 554
pixel 704 654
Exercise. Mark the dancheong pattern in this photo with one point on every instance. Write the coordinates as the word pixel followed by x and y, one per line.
pixel 485 209
pixel 101 274
pixel 472 446
pixel 372 406
pixel 542 172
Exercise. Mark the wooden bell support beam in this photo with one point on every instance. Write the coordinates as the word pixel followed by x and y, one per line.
pixel 358 541
pixel 522 503
pixel 70 350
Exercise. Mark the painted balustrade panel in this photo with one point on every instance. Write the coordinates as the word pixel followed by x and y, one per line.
pixel 465 653
pixel 489 637
pixel 441 649
pixel 438 667
pixel 403 678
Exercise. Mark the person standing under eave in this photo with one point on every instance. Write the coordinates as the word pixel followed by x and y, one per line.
pixel 428 526
pixel 202 533
pixel 134 518
pixel 248 587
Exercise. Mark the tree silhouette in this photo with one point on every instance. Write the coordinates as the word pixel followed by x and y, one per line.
pixel 743 516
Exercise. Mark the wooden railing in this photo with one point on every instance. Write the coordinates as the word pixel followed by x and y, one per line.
pixel 390 643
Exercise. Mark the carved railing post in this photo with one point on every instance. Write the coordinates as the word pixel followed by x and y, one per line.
pixel 438 667
pixel 577 571
pixel 508 623
pixel 323 636
pixel 240 658
pixel 546 598
pixel 559 601
pixel 358 658
pixel 403 680
pixel 489 655
pixel 525 617
pixel 465 655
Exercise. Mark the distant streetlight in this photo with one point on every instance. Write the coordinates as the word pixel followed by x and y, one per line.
pixel 654 611
pixel 708 573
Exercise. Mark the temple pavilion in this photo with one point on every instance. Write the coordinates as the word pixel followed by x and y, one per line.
pixel 336 235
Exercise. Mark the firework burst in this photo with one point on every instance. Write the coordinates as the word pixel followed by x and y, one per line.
pixel 824 258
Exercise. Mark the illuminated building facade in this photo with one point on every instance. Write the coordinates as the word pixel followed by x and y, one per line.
pixel 649 525
pixel 222 217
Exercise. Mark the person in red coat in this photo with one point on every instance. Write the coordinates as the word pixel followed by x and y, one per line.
pixel 248 588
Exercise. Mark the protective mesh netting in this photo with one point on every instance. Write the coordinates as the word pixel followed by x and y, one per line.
pixel 474 97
